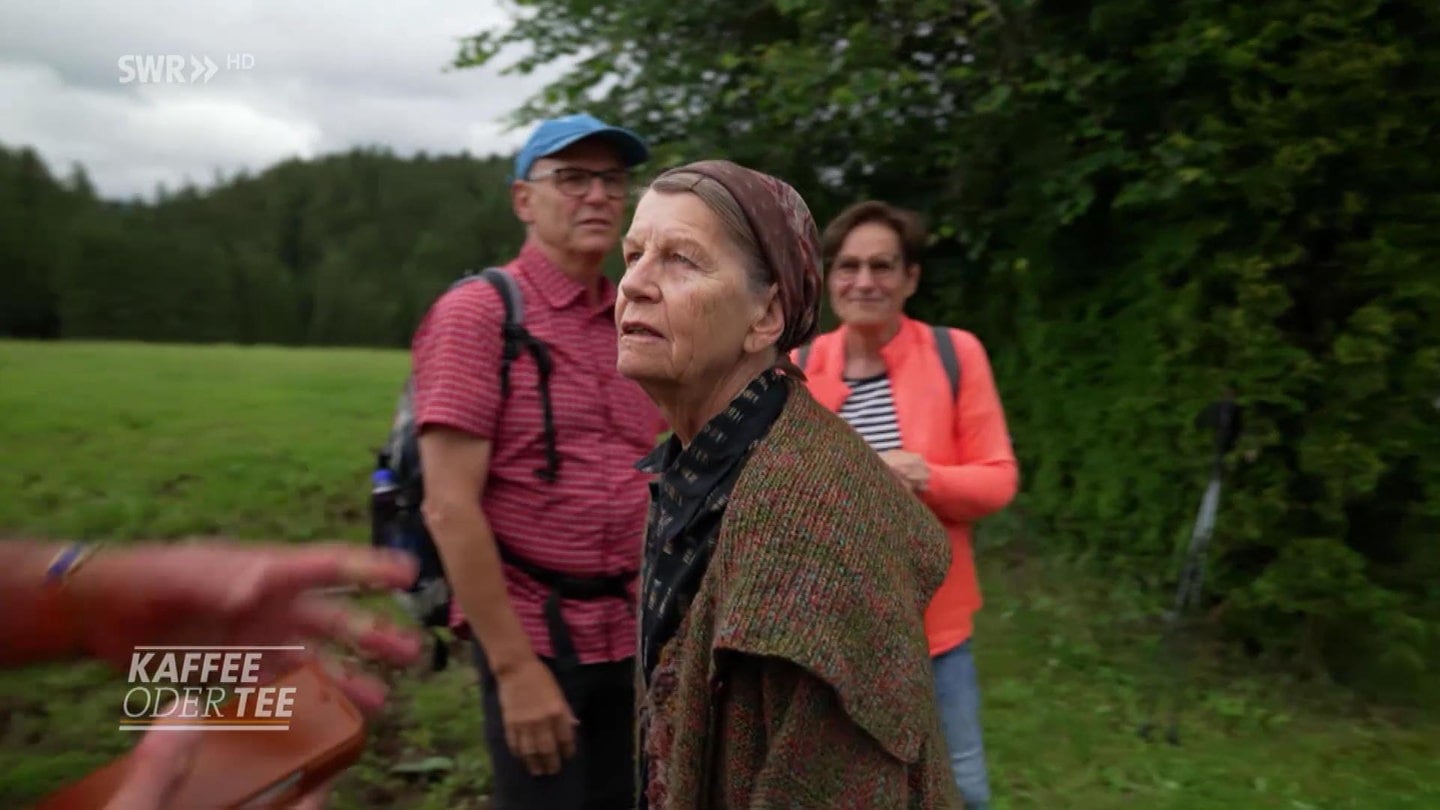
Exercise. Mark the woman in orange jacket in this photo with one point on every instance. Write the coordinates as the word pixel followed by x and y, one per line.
pixel 890 377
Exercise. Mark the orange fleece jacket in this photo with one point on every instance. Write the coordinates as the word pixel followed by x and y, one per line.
pixel 966 444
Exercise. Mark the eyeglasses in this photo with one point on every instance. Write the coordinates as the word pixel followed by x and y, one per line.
pixel 576 182
pixel 879 267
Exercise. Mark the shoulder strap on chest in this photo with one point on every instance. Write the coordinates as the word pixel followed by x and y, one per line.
pixel 943 344
pixel 510 294
pixel 505 285
pixel 516 339
pixel 946 347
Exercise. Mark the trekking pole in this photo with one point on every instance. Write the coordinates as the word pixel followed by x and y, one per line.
pixel 1224 415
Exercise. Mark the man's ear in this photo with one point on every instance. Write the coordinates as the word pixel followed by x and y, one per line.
pixel 770 324
pixel 520 199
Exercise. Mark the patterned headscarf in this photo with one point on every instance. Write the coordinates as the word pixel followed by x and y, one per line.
pixel 788 237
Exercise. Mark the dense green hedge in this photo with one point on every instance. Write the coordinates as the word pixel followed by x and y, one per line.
pixel 1138 204
pixel 1233 195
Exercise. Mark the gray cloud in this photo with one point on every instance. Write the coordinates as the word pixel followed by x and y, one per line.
pixel 326 75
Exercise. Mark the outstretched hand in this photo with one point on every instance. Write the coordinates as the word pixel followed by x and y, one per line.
pixel 223 593
pixel 227 593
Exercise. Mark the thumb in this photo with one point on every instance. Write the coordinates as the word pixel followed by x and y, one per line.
pixel 157 770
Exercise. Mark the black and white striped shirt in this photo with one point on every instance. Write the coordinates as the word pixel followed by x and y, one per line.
pixel 870 409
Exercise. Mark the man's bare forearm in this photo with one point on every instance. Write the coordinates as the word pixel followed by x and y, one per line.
pixel 472 562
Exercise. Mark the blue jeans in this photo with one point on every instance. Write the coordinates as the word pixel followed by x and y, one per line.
pixel 957 691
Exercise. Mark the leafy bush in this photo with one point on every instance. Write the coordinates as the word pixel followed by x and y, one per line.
pixel 1138 205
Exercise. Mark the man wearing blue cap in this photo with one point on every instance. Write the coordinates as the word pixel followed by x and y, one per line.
pixel 530 495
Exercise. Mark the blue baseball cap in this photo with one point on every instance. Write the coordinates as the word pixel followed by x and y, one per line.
pixel 554 134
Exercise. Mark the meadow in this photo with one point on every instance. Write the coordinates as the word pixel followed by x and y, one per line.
pixel 122 441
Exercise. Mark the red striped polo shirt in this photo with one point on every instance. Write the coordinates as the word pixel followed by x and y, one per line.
pixel 591 520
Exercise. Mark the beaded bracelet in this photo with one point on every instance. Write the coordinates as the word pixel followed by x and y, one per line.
pixel 66 562
pixel 58 628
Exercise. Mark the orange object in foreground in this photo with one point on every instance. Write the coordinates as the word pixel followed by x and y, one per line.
pixel 251 768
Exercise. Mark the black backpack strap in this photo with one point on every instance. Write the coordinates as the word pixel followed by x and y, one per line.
pixel 517 337
pixel 946 347
pixel 566 586
pixel 514 302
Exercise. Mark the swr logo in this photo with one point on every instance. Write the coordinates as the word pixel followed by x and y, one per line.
pixel 174 68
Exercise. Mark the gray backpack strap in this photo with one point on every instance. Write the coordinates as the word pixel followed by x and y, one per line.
pixel 804 355
pixel 946 347
pixel 516 340
pixel 504 284
pixel 509 293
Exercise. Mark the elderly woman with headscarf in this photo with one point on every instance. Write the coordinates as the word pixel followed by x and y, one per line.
pixel 783 660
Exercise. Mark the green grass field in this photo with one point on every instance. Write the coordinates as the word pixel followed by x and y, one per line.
pixel 121 441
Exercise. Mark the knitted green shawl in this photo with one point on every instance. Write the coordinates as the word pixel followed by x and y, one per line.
pixel 826 561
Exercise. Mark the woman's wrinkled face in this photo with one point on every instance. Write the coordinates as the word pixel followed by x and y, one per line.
pixel 869 280
pixel 686 313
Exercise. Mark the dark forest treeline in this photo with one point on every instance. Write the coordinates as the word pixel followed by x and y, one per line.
pixel 344 250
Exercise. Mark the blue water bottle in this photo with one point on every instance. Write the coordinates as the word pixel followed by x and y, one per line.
pixel 383 493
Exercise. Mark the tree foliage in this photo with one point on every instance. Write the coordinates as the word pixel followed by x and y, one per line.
pixel 1137 205
pixel 346 250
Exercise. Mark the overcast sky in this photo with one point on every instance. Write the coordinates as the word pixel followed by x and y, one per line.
pixel 323 75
